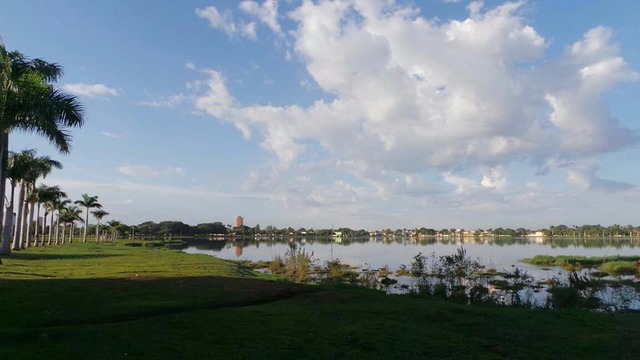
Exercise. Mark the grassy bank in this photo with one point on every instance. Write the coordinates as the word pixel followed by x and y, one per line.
pixel 113 301
pixel 613 265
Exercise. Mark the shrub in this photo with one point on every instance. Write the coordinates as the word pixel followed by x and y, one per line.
pixel 334 270
pixel 276 266
pixel 402 271
pixel 297 263
pixel 582 292
pixel 368 278
pixel 384 272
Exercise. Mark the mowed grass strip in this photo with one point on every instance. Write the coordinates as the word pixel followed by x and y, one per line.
pixel 95 283
pixel 182 306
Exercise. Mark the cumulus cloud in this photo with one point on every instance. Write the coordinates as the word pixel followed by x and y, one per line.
pixel 149 172
pixel 90 90
pixel 495 179
pixel 583 174
pixel 411 94
pixel 267 13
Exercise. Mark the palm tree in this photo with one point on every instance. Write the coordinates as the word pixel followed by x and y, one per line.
pixel 37 167
pixel 18 165
pixel 49 198
pixel 113 225
pixel 87 202
pixel 59 205
pixel 68 216
pixel 30 102
pixel 98 214
pixel 46 196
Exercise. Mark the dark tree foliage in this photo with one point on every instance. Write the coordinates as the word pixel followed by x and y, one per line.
pixel 178 228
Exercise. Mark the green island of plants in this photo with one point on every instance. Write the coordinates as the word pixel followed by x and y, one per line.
pixel 611 265
pixel 137 300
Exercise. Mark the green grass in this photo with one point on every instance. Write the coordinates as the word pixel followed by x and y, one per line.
pixel 112 301
pixel 620 268
pixel 613 265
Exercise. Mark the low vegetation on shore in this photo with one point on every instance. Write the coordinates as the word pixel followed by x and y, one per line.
pixel 610 265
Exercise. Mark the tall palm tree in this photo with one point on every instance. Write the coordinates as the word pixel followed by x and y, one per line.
pixel 59 205
pixel 46 195
pixel 39 166
pixel 87 202
pixel 30 102
pixel 98 214
pixel 68 216
pixel 18 166
pixel 49 199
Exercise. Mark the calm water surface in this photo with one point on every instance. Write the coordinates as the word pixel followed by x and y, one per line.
pixel 500 253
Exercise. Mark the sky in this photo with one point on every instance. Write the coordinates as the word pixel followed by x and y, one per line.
pixel 355 113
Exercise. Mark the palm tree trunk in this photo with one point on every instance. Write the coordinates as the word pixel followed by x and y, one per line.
pixel 7 224
pixel 97 230
pixel 58 229
pixel 71 233
pixel 86 224
pixel 23 222
pixel 29 226
pixel 4 162
pixel 64 228
pixel 37 231
pixel 50 227
pixel 43 229
pixel 17 234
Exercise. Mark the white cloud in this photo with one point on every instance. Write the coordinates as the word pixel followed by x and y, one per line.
pixel 165 101
pixel 149 172
pixel 496 179
pixel 90 90
pixel 414 95
pixel 267 13
pixel 224 21
pixel 111 135
pixel 583 174
pixel 462 184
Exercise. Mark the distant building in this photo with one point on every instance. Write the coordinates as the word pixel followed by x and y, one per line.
pixel 239 221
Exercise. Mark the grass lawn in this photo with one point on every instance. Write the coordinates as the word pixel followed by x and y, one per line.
pixel 112 301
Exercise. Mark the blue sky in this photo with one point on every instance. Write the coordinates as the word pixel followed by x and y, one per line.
pixel 351 113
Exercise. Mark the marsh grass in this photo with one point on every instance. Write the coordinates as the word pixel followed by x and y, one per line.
pixel 562 260
pixel 620 268
pixel 297 263
pixel 611 265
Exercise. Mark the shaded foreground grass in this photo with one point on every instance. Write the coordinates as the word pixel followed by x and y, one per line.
pixel 113 301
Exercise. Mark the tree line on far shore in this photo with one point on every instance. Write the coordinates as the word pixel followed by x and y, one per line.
pixel 150 229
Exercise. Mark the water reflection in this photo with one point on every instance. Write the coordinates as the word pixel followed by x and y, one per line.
pixel 376 252
pixel 502 253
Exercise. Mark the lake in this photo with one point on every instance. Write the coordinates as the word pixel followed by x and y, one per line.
pixel 499 253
